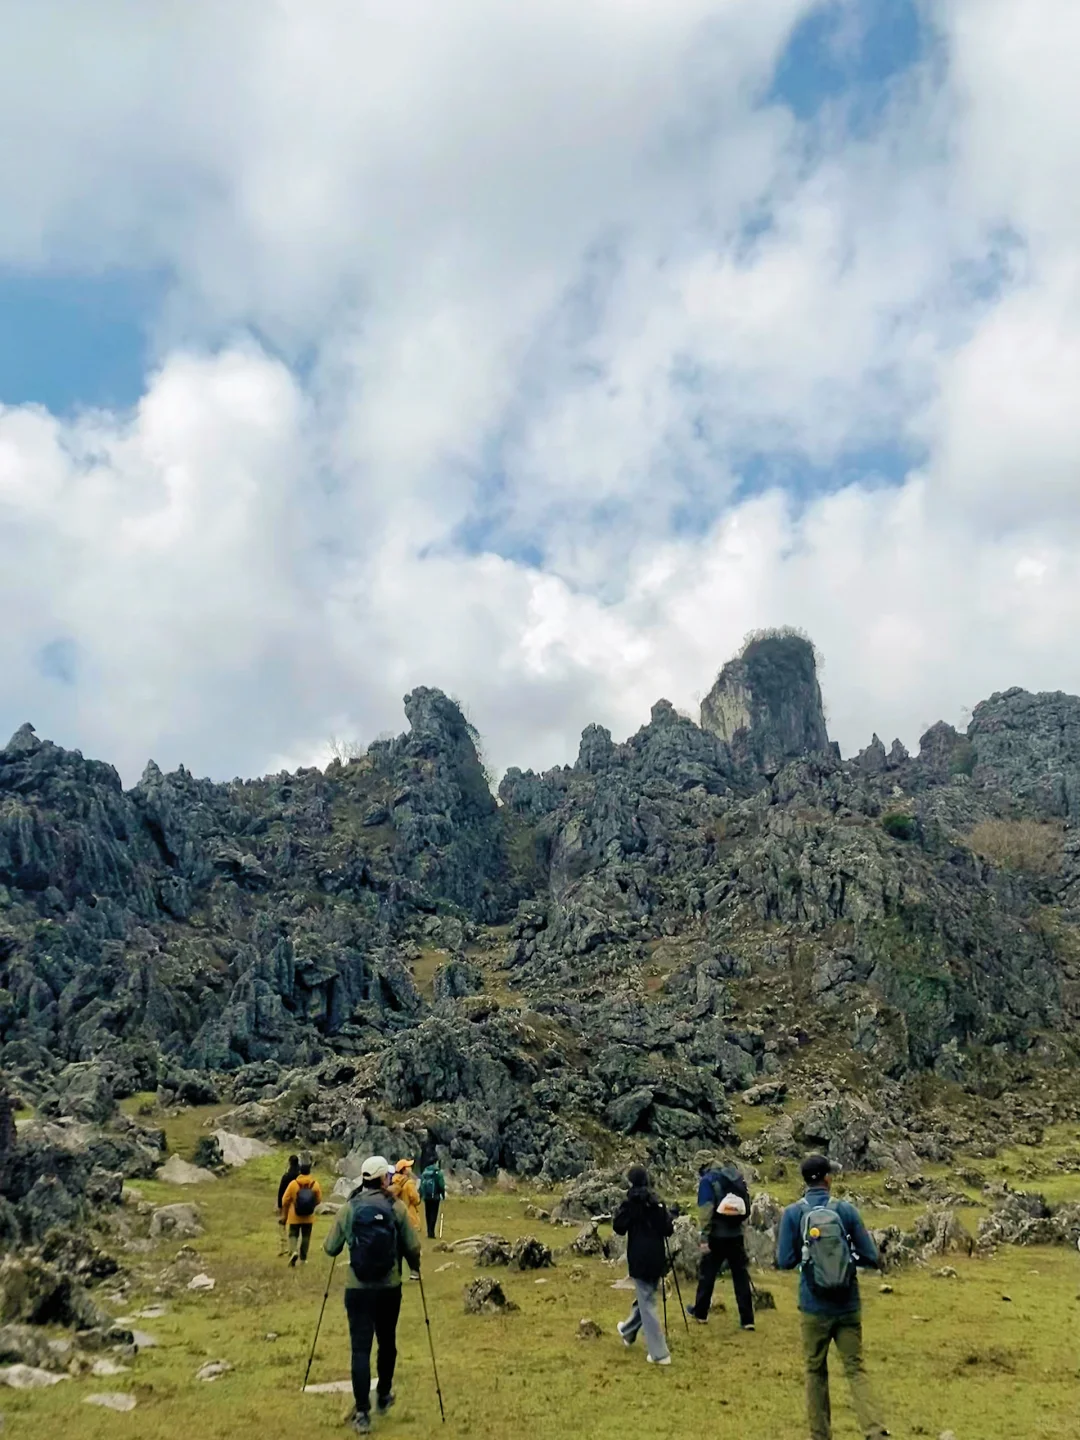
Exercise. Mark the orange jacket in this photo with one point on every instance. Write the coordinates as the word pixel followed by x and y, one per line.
pixel 404 1188
pixel 288 1200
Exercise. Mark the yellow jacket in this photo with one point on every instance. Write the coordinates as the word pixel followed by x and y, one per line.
pixel 288 1200
pixel 404 1188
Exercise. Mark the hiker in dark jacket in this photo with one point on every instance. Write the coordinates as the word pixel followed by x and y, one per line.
pixel 284 1183
pixel 829 1249
pixel 723 1205
pixel 432 1193
pixel 646 1223
pixel 377 1232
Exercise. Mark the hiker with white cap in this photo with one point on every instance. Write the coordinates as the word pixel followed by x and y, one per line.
pixel 376 1229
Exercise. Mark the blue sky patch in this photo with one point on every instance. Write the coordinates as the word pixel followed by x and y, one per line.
pixel 844 47
pixel 74 341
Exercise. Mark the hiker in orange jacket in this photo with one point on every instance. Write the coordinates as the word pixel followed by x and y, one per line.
pixel 403 1187
pixel 301 1199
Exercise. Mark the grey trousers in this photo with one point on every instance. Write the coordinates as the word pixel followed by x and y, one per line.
pixel 645 1315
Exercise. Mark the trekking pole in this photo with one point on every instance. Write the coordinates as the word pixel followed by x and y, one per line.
pixel 431 1347
pixel 663 1292
pixel 318 1327
pixel 442 1218
pixel 678 1289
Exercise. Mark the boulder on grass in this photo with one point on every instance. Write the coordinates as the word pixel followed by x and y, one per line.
pixel 485 1297
pixel 35 1293
pixel 177 1222
pixel 531 1254
pixel 237 1150
pixel 178 1172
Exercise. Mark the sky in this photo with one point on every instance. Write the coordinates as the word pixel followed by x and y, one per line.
pixel 539 352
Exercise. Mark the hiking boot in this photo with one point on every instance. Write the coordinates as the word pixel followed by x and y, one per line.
pixel 382 1405
pixel 292 1261
pixel 665 1361
pixel 751 1326
pixel 701 1319
pixel 627 1340
pixel 362 1423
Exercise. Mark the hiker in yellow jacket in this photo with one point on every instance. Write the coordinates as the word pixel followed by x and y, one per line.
pixel 302 1198
pixel 403 1187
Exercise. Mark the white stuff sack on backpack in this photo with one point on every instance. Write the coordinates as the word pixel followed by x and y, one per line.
pixel 732 1204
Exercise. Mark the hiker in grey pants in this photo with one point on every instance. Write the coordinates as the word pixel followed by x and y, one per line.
pixel 644 1220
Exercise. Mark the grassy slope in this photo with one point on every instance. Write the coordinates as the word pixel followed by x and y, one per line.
pixel 944 1353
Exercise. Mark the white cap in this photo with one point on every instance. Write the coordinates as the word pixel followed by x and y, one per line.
pixel 374 1168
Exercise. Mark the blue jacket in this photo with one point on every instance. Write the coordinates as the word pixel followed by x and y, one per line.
pixel 789 1253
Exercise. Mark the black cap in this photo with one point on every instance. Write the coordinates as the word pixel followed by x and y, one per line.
pixel 638 1177
pixel 815 1168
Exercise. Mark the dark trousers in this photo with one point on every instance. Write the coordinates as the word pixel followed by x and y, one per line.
pixel 373 1315
pixel 300 1241
pixel 431 1211
pixel 732 1252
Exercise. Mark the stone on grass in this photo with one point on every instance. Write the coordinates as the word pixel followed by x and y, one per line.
pixel 764 1300
pixel 330 1387
pixel 213 1370
pixel 119 1402
pixel 485 1297
pixel 587 1241
pixel 28 1377
pixel 201 1282
pixel 179 1172
pixel 588 1330
pixel 142 1341
pixel 531 1254
pixel 105 1369
pixel 178 1222
pixel 493 1250
pixel 237 1150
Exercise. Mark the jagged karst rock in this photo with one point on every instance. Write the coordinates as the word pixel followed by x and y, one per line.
pixel 485 1296
pixel 494 1250
pixel 767 704
pixel 531 1254
pixel 625 943
pixel 1023 1218
pixel 34 1292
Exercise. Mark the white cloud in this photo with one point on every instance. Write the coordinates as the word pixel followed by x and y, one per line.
pixel 514 239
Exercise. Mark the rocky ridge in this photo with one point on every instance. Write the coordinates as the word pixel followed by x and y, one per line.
pixel 602 961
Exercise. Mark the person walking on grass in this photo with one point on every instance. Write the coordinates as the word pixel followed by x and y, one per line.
pixel 723 1205
pixel 826 1240
pixel 376 1230
pixel 403 1187
pixel 283 1184
pixel 301 1199
pixel 644 1220
pixel 432 1193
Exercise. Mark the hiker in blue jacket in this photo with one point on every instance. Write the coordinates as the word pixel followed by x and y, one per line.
pixel 723 1205
pixel 826 1240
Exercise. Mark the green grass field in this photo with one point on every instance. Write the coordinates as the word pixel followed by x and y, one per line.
pixel 944 1353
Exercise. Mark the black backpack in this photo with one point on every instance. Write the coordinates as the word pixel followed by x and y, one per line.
pixel 728 1181
pixel 373 1246
pixel 305 1202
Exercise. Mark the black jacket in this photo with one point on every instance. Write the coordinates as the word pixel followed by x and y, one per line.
pixel 644 1220
pixel 286 1180
pixel 714 1185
